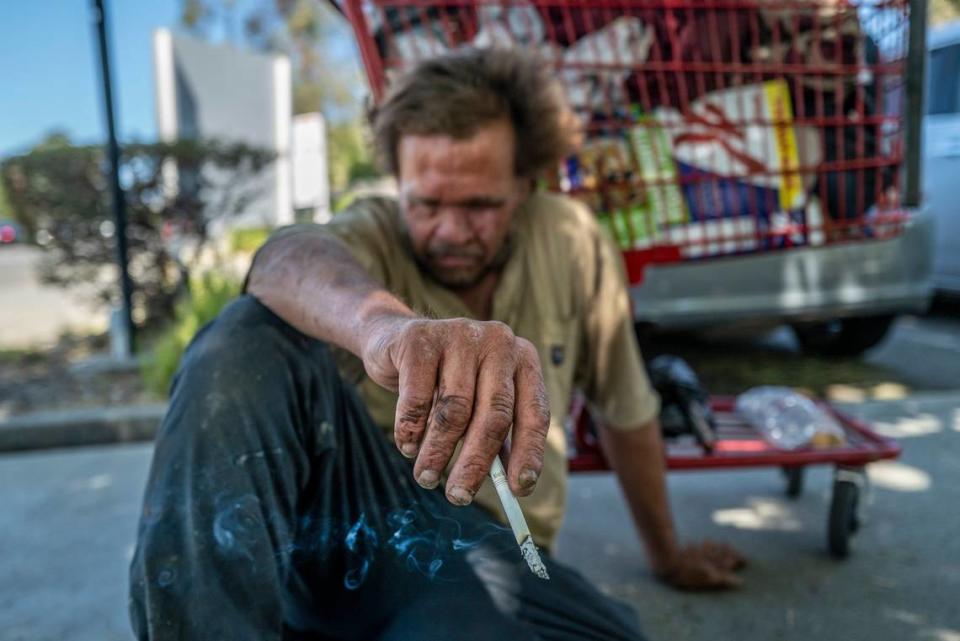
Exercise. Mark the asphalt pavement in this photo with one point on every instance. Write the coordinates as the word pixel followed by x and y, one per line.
pixel 900 584
pixel 924 350
pixel 68 528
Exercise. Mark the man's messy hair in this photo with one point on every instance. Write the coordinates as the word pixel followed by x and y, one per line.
pixel 459 93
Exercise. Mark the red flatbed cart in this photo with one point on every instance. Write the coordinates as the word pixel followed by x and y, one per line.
pixel 739 446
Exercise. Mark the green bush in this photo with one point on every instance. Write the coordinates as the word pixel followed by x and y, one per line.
pixel 209 293
pixel 61 189
pixel 343 201
pixel 350 155
pixel 249 239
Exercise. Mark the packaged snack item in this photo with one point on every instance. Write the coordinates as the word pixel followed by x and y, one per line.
pixel 605 160
pixel 657 170
pixel 631 220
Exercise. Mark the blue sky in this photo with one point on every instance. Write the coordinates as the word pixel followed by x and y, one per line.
pixel 49 73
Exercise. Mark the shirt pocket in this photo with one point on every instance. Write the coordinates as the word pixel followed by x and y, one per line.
pixel 557 346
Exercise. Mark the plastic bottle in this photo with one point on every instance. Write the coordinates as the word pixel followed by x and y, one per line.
pixel 787 419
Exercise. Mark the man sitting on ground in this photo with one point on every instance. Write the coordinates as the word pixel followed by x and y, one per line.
pixel 456 319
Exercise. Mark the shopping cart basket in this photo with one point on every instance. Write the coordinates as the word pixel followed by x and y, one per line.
pixel 780 122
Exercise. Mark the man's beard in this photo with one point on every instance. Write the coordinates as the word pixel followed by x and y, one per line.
pixel 460 279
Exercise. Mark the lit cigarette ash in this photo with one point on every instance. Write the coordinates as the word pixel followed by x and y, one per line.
pixel 532 556
pixel 511 507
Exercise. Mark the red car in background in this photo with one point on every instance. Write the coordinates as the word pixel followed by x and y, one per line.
pixel 9 232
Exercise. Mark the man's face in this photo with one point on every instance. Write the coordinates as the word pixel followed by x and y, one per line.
pixel 458 199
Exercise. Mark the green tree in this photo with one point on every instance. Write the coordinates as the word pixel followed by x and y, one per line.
pixel 317 39
pixel 350 157
pixel 4 203
pixel 943 11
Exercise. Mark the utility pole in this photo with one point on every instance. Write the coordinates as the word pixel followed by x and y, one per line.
pixel 125 325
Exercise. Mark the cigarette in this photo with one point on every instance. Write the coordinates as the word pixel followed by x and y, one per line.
pixel 528 550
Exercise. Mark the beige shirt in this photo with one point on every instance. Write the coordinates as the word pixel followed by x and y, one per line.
pixel 563 288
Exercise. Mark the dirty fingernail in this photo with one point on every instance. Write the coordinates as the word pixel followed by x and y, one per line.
pixel 528 478
pixel 409 449
pixel 428 479
pixel 460 495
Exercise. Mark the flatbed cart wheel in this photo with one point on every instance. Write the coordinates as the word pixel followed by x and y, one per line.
pixel 844 521
pixel 794 476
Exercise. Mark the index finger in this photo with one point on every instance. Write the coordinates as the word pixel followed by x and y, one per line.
pixel 531 422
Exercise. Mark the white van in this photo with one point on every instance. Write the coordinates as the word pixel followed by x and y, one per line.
pixel 941 154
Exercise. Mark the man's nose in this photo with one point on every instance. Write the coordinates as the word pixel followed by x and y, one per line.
pixel 453 228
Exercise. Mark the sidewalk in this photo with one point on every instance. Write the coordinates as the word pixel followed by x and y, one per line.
pixel 69 526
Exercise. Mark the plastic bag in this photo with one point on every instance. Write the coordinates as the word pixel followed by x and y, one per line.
pixel 509 26
pixel 787 419
pixel 597 64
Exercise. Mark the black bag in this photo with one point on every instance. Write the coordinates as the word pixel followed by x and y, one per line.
pixel 685 404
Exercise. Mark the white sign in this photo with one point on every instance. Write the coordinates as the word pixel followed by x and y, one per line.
pixel 311 181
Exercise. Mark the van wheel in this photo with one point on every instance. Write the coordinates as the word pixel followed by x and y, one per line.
pixel 843 336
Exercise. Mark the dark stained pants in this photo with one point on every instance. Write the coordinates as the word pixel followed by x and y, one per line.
pixel 275 509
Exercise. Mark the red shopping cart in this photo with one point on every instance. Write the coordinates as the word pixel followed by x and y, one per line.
pixel 718 129
pixel 714 127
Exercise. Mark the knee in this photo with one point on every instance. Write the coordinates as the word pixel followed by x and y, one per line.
pixel 247 363
pixel 247 369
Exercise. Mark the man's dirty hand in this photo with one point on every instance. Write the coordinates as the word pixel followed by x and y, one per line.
pixel 462 379
pixel 706 566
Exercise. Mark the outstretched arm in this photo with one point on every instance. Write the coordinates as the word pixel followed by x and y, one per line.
pixel 457 379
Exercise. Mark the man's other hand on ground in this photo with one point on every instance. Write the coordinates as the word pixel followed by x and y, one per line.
pixel 706 566
pixel 462 379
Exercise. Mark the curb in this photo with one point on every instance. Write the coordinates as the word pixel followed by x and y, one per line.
pixel 74 428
